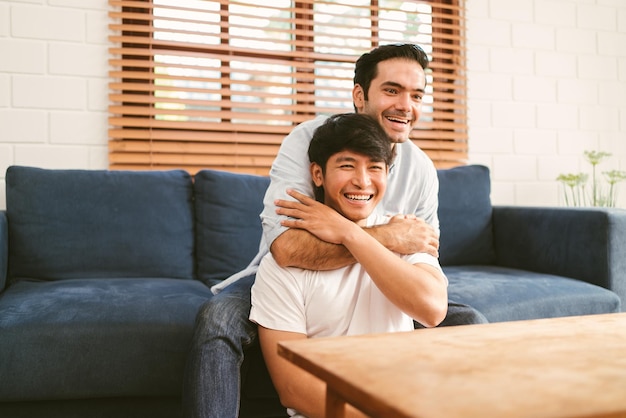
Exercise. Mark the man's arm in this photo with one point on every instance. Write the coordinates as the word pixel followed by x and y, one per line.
pixel 299 248
pixel 296 388
pixel 419 290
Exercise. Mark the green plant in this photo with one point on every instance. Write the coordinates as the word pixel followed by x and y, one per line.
pixel 574 185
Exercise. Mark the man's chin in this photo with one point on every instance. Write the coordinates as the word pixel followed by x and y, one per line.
pixel 398 139
pixel 398 136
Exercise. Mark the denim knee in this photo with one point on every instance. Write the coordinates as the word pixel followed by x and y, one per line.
pixel 225 315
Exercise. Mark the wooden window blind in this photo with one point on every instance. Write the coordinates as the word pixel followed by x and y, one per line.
pixel 218 84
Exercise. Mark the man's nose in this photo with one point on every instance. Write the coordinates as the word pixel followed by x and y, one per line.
pixel 361 178
pixel 404 102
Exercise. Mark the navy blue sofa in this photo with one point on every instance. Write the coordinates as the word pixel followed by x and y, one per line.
pixel 102 273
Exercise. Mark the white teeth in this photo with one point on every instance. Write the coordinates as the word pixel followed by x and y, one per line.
pixel 359 197
pixel 397 120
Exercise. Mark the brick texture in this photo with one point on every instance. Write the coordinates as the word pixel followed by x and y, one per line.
pixel 567 93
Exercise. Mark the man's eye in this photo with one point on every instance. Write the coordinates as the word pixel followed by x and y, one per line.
pixel 392 91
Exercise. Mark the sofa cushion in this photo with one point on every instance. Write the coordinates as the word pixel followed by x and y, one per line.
pixel 66 224
pixel 507 294
pixel 93 338
pixel 228 226
pixel 465 216
pixel 4 249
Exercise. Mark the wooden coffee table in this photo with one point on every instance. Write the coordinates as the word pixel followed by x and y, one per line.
pixel 561 367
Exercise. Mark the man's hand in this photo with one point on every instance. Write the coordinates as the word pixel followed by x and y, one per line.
pixel 320 220
pixel 316 229
pixel 407 234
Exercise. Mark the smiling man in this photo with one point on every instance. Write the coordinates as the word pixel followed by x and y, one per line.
pixel 382 292
pixel 389 85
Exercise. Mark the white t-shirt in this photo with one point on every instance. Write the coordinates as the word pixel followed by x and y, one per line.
pixel 328 303
pixel 412 187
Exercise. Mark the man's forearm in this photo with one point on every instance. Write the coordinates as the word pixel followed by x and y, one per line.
pixel 301 249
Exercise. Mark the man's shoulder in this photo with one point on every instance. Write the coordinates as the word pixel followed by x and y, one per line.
pixel 411 149
pixel 311 124
pixel 413 158
pixel 301 135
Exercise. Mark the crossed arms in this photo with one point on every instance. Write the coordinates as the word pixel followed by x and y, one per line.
pixel 420 290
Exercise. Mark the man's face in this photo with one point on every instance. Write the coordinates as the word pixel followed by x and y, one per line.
pixel 353 184
pixel 395 97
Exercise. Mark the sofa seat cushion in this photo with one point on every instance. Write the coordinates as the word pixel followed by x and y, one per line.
pixel 82 338
pixel 66 224
pixel 506 294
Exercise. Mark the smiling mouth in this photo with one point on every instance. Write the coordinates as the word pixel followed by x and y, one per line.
pixel 397 120
pixel 359 197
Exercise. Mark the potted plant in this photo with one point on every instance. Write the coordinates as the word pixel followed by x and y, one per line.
pixel 603 195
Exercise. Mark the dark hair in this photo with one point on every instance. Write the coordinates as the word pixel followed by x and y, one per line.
pixel 354 132
pixel 367 65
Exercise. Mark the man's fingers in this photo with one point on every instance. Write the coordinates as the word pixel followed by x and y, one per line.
pixel 300 196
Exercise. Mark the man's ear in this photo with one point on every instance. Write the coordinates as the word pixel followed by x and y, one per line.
pixel 358 97
pixel 316 174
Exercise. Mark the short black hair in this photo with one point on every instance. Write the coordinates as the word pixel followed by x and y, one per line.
pixel 367 65
pixel 356 132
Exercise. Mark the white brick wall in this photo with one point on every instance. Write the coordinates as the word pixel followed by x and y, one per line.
pixel 547 80
pixel 53 84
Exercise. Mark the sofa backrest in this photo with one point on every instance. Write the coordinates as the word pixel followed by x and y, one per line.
pixel 4 248
pixel 228 226
pixel 465 216
pixel 66 224
pixel 90 224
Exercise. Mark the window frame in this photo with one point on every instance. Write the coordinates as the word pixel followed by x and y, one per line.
pixel 138 140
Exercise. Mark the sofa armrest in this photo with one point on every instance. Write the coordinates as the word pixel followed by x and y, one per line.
pixel 587 244
pixel 4 248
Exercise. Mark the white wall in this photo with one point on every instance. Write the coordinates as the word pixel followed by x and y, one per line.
pixel 547 80
pixel 53 84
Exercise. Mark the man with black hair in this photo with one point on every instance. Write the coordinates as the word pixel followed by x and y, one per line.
pixel 390 83
pixel 381 292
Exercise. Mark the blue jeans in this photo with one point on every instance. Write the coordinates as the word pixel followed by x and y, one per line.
pixel 212 383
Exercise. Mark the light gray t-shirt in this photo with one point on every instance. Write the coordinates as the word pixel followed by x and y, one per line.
pixel 412 187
